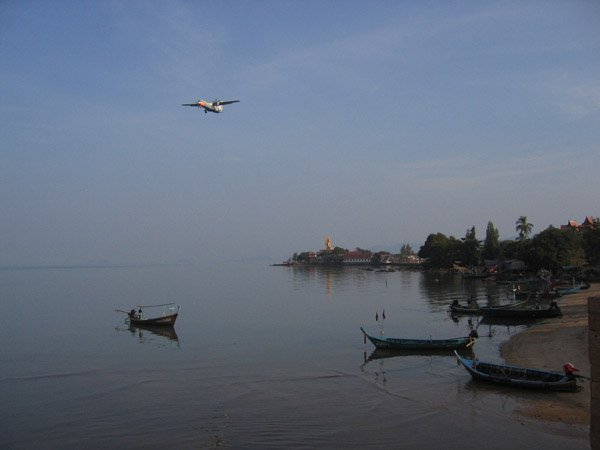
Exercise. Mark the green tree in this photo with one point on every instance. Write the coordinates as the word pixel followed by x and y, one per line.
pixel 523 227
pixel 491 246
pixel 509 249
pixel 302 257
pixel 336 256
pixel 406 250
pixel 470 250
pixel 440 251
pixel 591 245
pixel 554 248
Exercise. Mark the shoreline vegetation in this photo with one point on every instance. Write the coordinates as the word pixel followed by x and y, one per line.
pixel 572 249
pixel 401 265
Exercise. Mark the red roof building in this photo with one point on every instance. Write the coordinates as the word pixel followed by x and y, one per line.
pixel 588 224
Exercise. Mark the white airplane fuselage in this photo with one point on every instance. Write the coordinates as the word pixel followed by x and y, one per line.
pixel 210 106
pixel 215 107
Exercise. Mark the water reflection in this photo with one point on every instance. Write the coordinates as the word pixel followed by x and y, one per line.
pixel 509 321
pixel 333 278
pixel 385 353
pixel 253 391
pixel 396 370
pixel 148 334
pixel 439 290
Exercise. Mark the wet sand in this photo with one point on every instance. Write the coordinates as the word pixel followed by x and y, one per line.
pixel 551 344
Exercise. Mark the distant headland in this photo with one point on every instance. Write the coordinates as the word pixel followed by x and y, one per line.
pixel 573 248
pixel 331 255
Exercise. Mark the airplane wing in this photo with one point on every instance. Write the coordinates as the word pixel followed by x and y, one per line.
pixel 190 104
pixel 227 102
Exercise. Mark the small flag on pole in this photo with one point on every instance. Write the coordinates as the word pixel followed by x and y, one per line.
pixel 383 315
pixel 376 316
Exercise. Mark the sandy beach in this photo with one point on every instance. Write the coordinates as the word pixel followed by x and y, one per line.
pixel 551 344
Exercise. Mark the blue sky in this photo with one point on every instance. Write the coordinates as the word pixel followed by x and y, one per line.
pixel 376 123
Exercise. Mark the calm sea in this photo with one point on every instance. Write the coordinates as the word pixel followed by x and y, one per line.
pixel 261 357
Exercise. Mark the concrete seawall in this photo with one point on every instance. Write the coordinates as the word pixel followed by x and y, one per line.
pixel 594 353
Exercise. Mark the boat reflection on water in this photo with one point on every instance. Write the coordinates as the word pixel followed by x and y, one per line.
pixel 378 367
pixel 510 321
pixel 148 334
pixel 384 353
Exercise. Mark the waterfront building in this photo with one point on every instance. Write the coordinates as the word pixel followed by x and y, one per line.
pixel 357 258
pixel 385 258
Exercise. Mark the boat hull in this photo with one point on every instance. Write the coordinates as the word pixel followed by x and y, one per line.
pixel 459 309
pixel 523 313
pixel 518 376
pixel 569 290
pixel 416 344
pixel 165 321
pixel 463 310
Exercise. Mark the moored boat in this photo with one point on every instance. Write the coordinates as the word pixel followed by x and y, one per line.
pixel 569 289
pixel 170 311
pixel 457 308
pixel 520 376
pixel 419 344
pixel 472 307
pixel 523 313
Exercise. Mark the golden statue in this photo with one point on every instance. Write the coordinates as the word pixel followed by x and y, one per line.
pixel 328 244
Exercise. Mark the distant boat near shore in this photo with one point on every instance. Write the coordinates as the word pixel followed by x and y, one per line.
pixel 523 313
pixel 457 308
pixel 569 289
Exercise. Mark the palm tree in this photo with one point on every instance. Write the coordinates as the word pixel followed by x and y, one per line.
pixel 523 228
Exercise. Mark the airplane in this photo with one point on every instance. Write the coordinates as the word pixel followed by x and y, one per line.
pixel 216 106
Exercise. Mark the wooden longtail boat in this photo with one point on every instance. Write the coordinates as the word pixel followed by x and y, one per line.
pixel 457 308
pixel 520 376
pixel 460 309
pixel 418 344
pixel 569 290
pixel 170 311
pixel 523 313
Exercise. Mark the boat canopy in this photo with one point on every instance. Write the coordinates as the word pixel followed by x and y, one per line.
pixel 167 308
